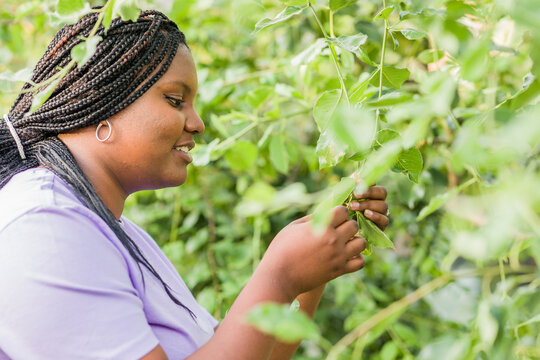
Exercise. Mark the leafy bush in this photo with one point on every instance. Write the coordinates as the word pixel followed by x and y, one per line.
pixel 297 95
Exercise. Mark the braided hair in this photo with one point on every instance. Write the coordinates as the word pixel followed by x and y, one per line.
pixel 131 57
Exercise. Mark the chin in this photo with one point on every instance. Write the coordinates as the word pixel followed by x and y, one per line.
pixel 170 180
pixel 176 179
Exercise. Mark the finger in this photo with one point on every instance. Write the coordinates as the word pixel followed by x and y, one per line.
pixel 374 192
pixel 302 220
pixel 379 219
pixel 355 264
pixel 379 206
pixel 340 214
pixel 355 246
pixel 347 230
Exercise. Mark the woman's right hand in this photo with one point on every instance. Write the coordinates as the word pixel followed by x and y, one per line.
pixel 300 260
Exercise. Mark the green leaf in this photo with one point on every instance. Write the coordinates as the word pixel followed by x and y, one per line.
pixel 68 7
pixel 335 5
pixel 394 40
pixel 438 201
pixel 278 154
pixel 392 77
pixel 488 327
pixel 260 191
pixel 391 98
pixel 354 127
pixel 242 155
pixel 384 136
pixel 21 75
pixel 350 130
pixel 108 15
pixel 463 291
pixel 202 154
pixel 41 96
pixel 356 93
pixel 257 97
pixel 337 195
pixel 363 56
pixel 384 13
pixel 411 162
pixel 534 319
pixel 325 106
pixel 83 51
pixel 288 12
pixel 373 235
pixel 528 94
pixel 379 162
pixel 350 43
pixel 280 321
pixel 473 63
pixel 310 53
pixel 294 2
pixel 430 56
pixel 447 347
pixel 128 10
pixel 329 151
pixel 412 34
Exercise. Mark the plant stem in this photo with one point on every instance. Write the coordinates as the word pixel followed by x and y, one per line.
pixel 384 314
pixel 332 51
pixel 331 17
pixel 98 21
pixel 410 299
pixel 253 125
pixel 503 276
pixel 63 72
pixel 383 53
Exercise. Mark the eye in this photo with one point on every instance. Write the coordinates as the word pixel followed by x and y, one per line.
pixel 177 103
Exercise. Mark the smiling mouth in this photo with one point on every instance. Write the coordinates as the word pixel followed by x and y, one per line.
pixel 182 148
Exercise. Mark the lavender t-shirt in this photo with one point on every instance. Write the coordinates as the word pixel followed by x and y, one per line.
pixel 70 290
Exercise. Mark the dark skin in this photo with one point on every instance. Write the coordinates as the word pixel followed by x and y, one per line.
pixel 142 153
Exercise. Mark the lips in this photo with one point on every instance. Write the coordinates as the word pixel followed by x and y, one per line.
pixel 183 149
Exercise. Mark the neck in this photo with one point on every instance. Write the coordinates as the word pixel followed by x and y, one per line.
pixel 104 181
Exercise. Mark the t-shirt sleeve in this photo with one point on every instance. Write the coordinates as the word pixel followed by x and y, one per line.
pixel 66 292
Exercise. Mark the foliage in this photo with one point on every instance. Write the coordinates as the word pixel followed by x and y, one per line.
pixel 298 95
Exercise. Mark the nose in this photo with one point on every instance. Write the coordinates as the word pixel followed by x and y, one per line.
pixel 194 123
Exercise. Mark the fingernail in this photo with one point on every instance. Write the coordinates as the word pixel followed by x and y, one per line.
pixel 354 205
pixel 368 213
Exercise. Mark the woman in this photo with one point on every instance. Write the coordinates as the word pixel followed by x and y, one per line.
pixel 70 264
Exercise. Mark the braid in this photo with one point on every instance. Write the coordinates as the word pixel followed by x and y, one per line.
pixel 126 63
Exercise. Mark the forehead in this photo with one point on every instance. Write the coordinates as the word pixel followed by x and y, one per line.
pixel 181 74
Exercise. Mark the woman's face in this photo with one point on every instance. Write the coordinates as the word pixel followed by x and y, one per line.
pixel 151 137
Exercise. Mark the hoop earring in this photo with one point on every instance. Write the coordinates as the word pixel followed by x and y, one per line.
pixel 108 135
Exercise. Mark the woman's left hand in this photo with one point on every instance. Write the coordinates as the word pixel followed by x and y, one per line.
pixel 373 206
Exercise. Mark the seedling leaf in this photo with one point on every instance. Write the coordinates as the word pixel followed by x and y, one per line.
pixel 373 235
pixel 280 321
pixel 288 12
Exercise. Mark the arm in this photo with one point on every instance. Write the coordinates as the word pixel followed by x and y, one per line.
pixel 281 276
pixel 374 200
pixel 309 301
pixel 296 261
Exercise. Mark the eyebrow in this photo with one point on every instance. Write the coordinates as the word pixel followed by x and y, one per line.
pixel 179 83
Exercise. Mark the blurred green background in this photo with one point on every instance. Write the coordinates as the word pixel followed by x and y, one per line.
pixel 470 105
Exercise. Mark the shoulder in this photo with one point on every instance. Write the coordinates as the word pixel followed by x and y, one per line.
pixel 43 224
pixel 64 270
pixel 32 190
